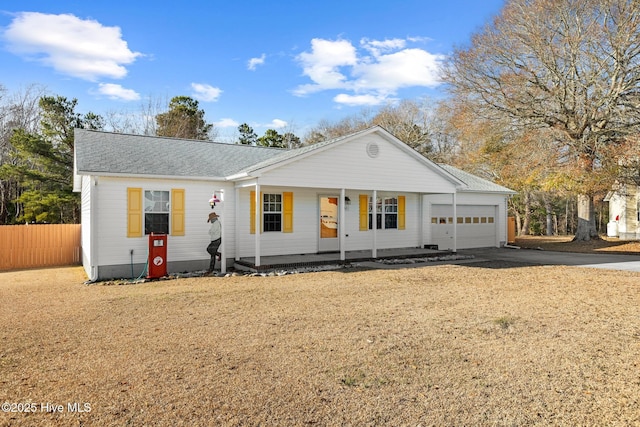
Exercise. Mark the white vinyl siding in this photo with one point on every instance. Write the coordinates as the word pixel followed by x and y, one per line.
pixel 111 220
pixel 348 166
pixel 305 237
pixel 85 216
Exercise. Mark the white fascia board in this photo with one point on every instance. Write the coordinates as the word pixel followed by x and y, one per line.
pixel 147 176
pixel 238 176
pixel 246 183
pixel 508 193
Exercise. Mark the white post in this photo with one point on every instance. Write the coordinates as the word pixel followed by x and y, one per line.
pixel 223 258
pixel 455 223
pixel 341 225
pixel 258 224
pixel 374 224
pixel 421 222
pixel 237 221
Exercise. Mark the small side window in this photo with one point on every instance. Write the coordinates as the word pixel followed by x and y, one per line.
pixel 156 212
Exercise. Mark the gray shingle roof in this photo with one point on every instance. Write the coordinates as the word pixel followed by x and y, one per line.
pixel 115 153
pixel 475 183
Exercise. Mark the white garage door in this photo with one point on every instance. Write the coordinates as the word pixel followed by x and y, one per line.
pixel 476 226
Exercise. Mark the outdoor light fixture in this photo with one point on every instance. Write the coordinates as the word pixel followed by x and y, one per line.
pixel 347 200
pixel 213 200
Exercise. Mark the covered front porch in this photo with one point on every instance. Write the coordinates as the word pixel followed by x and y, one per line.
pixel 277 262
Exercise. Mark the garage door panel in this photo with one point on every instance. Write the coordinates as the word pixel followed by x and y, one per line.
pixel 476 226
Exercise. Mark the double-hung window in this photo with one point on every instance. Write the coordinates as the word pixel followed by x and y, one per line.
pixel 272 212
pixel 156 212
pixel 386 212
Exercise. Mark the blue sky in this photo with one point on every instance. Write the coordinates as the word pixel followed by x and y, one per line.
pixel 272 64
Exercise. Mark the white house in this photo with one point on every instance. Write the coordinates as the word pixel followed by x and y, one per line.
pixel 624 212
pixel 364 191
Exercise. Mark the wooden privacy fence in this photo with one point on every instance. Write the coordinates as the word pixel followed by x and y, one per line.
pixel 39 245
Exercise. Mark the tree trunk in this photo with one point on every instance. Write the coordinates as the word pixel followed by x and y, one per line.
pixel 527 213
pixel 566 216
pixel 586 219
pixel 549 209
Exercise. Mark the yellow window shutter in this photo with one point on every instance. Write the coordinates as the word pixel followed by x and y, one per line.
pixel 401 212
pixel 287 212
pixel 252 212
pixel 134 212
pixel 177 212
pixel 364 212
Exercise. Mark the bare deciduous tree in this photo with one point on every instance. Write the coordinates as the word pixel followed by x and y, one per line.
pixel 414 122
pixel 571 66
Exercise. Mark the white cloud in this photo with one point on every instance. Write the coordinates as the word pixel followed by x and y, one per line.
pixel 70 45
pixel 254 62
pixel 357 100
pixel 277 124
pixel 205 92
pixel 322 65
pixel 376 47
pixel 226 123
pixel 407 67
pixel 370 75
pixel 114 91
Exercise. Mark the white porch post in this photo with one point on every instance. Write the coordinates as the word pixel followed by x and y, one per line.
pixel 223 246
pixel 455 222
pixel 374 224
pixel 341 225
pixel 421 223
pixel 258 224
pixel 237 221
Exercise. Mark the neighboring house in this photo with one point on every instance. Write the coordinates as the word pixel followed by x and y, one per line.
pixel 364 191
pixel 624 212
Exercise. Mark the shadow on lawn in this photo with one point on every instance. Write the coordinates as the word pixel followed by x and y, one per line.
pixel 500 264
pixel 605 244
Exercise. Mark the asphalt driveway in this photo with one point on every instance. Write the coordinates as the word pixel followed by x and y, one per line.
pixel 509 256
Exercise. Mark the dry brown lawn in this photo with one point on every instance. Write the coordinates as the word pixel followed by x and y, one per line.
pixel 438 345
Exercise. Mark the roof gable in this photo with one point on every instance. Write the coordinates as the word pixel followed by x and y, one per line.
pixel 372 158
pixel 297 154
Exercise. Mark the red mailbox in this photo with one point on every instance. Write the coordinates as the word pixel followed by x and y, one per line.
pixel 157 256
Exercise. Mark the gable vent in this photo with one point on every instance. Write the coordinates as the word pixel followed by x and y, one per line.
pixel 373 149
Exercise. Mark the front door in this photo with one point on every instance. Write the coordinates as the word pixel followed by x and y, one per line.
pixel 329 241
